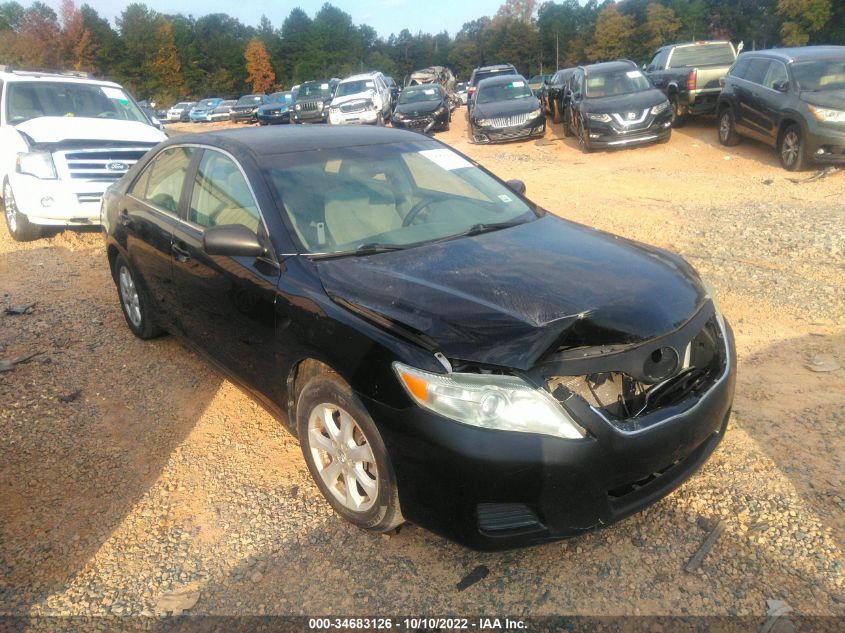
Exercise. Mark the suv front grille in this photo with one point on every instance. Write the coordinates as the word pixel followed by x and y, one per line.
pixel 100 165
pixel 309 106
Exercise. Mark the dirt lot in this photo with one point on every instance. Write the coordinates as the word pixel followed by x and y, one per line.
pixel 129 470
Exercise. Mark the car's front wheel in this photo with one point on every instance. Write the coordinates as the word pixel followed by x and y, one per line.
pixel 555 112
pixel 679 113
pixel 791 148
pixel 133 301
pixel 346 454
pixel 727 128
pixel 583 137
pixel 20 228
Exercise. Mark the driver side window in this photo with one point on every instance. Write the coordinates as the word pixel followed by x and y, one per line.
pixel 221 194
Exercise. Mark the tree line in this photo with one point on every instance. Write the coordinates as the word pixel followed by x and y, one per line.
pixel 165 57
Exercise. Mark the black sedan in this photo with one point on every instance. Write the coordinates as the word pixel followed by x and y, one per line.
pixel 391 302
pixel 423 108
pixel 614 105
pixel 505 109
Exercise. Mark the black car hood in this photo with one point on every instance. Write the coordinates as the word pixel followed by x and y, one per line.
pixel 417 109
pixel 504 108
pixel 508 297
pixel 825 98
pixel 632 102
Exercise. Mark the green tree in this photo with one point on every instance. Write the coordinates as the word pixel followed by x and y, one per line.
pixel 693 16
pixel 803 18
pixel 614 34
pixel 165 70
pixel 660 27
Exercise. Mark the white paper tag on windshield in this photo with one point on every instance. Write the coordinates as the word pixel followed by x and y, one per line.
pixel 505 198
pixel 633 74
pixel 369 84
pixel 324 86
pixel 429 91
pixel 518 84
pixel 445 158
pixel 114 93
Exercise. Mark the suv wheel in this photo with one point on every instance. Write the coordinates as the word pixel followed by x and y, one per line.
pixel 583 138
pixel 791 148
pixel 346 454
pixel 679 113
pixel 20 228
pixel 727 128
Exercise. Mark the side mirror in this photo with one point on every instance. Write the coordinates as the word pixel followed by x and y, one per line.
pixel 231 240
pixel 516 185
pixel 781 86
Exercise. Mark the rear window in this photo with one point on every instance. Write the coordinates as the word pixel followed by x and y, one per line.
pixel 721 54
pixel 486 74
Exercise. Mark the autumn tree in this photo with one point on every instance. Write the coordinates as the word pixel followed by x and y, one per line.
pixel 660 27
pixel 803 18
pixel 260 73
pixel 77 46
pixel 614 35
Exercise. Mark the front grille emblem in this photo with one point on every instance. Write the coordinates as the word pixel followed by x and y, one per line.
pixel 117 166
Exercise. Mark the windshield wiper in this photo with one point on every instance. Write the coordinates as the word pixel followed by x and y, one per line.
pixel 369 248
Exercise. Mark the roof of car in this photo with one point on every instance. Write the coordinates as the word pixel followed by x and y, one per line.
pixel 801 53
pixel 9 75
pixel 604 67
pixel 500 79
pixel 494 67
pixel 290 139
pixel 698 43
pixel 360 76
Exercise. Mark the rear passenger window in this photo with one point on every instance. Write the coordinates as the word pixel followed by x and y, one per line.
pixel 757 70
pixel 221 194
pixel 161 183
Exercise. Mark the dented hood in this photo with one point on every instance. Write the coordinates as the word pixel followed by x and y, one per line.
pixel 508 297
pixel 55 129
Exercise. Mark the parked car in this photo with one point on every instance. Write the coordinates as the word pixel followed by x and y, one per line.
pixel 180 111
pixel 423 108
pixel 554 97
pixel 246 109
pixel 792 99
pixel 151 117
pixel 202 111
pixel 312 101
pixel 369 323
pixel 613 104
pixel 688 74
pixel 503 108
pixel 483 72
pixel 278 110
pixel 394 91
pixel 223 111
pixel 64 138
pixel 461 92
pixel 536 83
pixel 363 98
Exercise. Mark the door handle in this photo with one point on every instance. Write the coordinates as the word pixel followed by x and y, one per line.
pixel 182 254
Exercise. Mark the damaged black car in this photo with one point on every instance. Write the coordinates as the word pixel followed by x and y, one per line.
pixel 446 352
pixel 423 108
pixel 504 108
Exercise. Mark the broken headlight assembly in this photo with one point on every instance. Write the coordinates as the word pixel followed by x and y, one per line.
pixel 660 107
pixel 491 401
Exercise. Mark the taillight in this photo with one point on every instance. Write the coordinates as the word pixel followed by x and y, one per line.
pixel 721 82
pixel 692 76
pixel 471 89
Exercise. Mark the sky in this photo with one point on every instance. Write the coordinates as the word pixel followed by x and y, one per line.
pixel 385 16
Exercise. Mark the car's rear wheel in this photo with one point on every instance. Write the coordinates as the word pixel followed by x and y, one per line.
pixel 791 149
pixel 346 454
pixel 567 131
pixel 679 113
pixel 20 228
pixel 727 128
pixel 133 301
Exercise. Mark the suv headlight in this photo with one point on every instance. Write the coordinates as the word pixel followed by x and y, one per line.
pixel 604 118
pixel 298 107
pixel 535 113
pixel 38 164
pixel 660 107
pixel 504 403
pixel 827 115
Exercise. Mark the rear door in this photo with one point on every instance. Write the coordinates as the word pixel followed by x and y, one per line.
pixel 771 101
pixel 749 115
pixel 226 303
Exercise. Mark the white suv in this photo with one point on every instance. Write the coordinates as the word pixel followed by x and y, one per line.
pixel 361 99
pixel 64 138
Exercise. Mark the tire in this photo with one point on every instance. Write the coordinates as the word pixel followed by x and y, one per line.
pixel 555 112
pixel 583 140
pixel 679 113
pixel 20 228
pixel 567 131
pixel 727 128
pixel 327 401
pixel 448 125
pixel 792 149
pixel 380 120
pixel 134 301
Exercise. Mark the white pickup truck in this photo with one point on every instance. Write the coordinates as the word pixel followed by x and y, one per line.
pixel 64 138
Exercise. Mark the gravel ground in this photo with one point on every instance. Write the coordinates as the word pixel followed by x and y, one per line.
pixel 132 470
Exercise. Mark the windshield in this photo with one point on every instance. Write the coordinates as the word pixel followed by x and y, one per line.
pixel 249 99
pixel 419 95
pixel 619 82
pixel 820 74
pixel 30 100
pixel 354 87
pixel 504 92
pixel 721 54
pixel 460 87
pixel 314 90
pixel 402 194
pixel 182 105
pixel 206 103
pixel 281 97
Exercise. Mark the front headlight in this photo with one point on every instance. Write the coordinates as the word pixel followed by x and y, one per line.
pixel 298 107
pixel 482 122
pixel 398 116
pixel 604 118
pixel 660 107
pixel 38 164
pixel 535 113
pixel 827 115
pixel 504 403
pixel 319 105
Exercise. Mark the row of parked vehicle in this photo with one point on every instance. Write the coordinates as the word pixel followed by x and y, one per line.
pixel 792 99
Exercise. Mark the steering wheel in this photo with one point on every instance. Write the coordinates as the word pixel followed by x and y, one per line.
pixel 107 115
pixel 415 210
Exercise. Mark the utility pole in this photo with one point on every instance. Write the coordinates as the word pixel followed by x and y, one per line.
pixel 557 50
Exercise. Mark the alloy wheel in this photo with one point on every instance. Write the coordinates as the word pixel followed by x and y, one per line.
pixel 343 457
pixel 129 296
pixel 725 126
pixel 790 147
pixel 10 208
